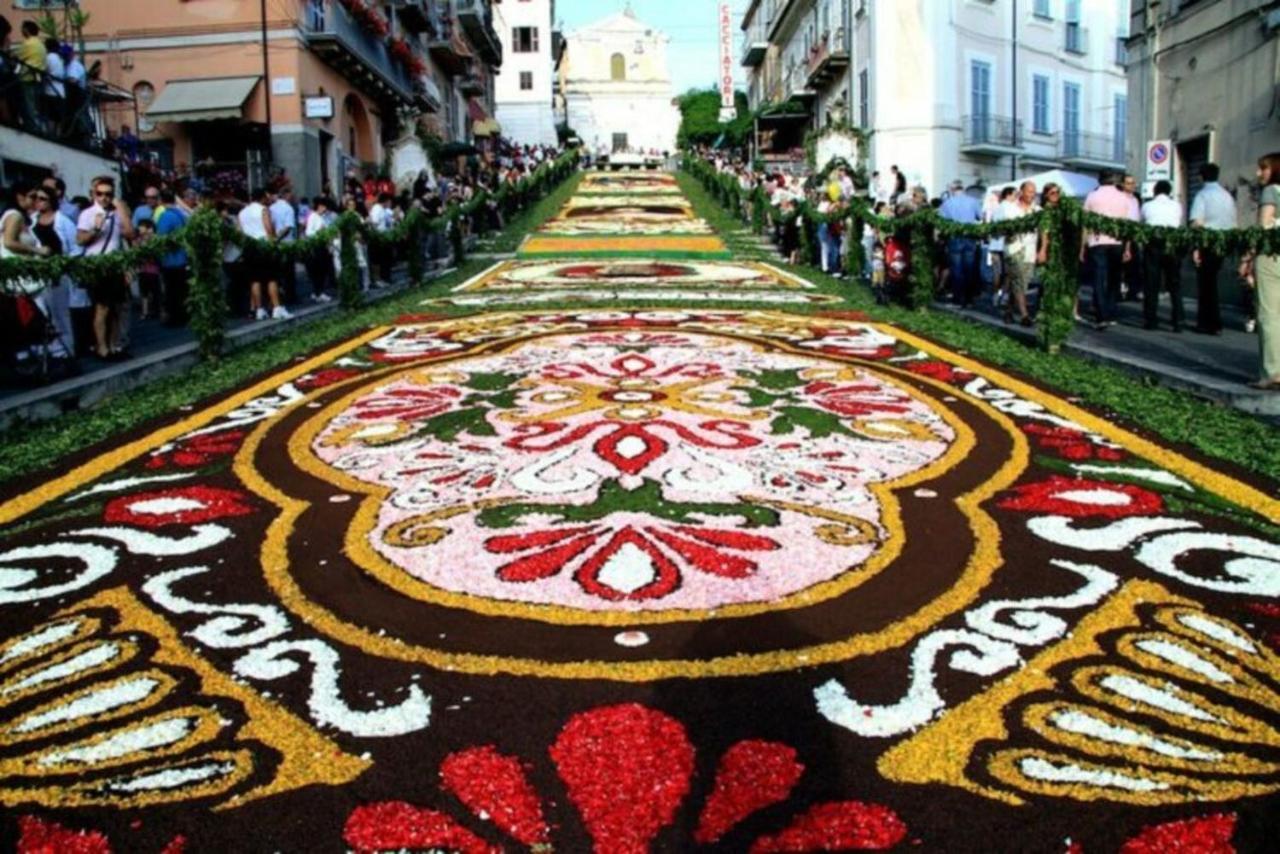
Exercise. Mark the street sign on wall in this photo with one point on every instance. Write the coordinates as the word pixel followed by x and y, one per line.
pixel 728 110
pixel 1160 160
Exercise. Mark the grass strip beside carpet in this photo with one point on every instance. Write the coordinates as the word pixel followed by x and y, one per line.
pixel 1214 430
pixel 27 449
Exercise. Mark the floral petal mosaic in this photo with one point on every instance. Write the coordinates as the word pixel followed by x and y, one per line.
pixel 626 579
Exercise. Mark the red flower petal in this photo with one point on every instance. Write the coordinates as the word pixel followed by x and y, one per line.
pixel 1208 835
pixel 145 509
pixel 706 558
pixel 46 837
pixel 495 786
pixel 627 769
pixel 666 575
pixel 839 826
pixel 1063 496
pixel 394 825
pixel 752 775
pixel 177 845
pixel 543 564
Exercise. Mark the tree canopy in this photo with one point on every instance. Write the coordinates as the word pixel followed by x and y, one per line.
pixel 700 119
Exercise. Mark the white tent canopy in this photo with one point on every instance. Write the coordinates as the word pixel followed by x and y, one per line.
pixel 1073 184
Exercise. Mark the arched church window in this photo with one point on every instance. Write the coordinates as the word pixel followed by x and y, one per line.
pixel 618 67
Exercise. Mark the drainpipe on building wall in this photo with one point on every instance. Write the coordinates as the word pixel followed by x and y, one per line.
pixel 266 82
pixel 1013 168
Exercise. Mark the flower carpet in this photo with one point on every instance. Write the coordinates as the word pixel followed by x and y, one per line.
pixel 626 579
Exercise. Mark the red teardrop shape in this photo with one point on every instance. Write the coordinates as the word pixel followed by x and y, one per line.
pixel 395 825
pixel 627 770
pixel 1210 834
pixel 495 787
pixel 837 826
pixel 752 775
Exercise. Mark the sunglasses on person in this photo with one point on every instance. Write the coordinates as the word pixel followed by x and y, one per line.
pixel 109 194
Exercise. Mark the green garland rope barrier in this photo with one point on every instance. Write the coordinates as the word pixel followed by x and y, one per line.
pixel 925 229
pixel 206 234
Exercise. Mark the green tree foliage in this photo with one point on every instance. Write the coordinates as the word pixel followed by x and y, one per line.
pixel 700 119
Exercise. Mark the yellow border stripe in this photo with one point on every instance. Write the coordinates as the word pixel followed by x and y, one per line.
pixel 1213 481
pixel 21 505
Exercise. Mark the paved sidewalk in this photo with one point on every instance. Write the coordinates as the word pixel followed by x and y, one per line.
pixel 160 351
pixel 1215 367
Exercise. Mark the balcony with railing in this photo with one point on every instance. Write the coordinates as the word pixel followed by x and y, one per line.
pixel 828 59
pixel 476 19
pixel 990 135
pixel 354 49
pixel 754 47
pixel 796 84
pixel 1076 40
pixel 1090 151
pixel 448 48
pixel 419 16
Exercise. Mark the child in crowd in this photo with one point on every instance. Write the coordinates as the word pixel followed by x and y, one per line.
pixel 149 286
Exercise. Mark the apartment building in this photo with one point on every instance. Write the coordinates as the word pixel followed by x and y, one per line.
pixel 314 86
pixel 526 87
pixel 981 90
pixel 1205 82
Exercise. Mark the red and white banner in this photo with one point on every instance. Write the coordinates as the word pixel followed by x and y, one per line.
pixel 726 60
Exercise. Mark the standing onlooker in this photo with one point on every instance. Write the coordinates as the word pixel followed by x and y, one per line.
pixel 960 207
pixel 147 210
pixel 1214 209
pixel 319 261
pixel 284 219
pixel 1020 252
pixel 1133 270
pixel 1263 273
pixel 55 90
pixel 102 228
pixel 148 270
pixel 79 305
pixel 993 212
pixel 259 265
pixel 1105 254
pixel 173 265
pixel 1164 267
pixel 381 220
pixel 33 55
pixel 50 228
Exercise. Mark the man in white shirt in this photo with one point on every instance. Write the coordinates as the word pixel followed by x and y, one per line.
pixel 255 221
pixel 1020 252
pixel 382 219
pixel 102 229
pixel 319 262
pixel 1214 209
pixel 284 219
pixel 1164 267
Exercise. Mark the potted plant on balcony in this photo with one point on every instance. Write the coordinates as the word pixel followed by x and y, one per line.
pixel 369 19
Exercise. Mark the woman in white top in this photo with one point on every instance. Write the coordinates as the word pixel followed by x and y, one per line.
pixel 18 241
pixel 255 222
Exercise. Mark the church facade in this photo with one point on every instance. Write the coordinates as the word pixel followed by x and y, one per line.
pixel 617 92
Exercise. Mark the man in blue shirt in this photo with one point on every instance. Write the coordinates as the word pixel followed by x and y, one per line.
pixel 173 265
pixel 962 252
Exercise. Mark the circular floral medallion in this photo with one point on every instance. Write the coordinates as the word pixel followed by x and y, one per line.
pixel 631 472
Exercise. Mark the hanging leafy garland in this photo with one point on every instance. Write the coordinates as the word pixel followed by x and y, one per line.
pixel 925 228
pixel 206 234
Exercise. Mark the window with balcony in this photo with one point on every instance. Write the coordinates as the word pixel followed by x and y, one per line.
pixel 1040 104
pixel 524 39
pixel 1077 37
pixel 526 81
pixel 1071 119
pixel 980 99
pixel 1043 9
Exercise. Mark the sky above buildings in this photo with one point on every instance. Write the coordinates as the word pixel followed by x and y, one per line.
pixel 691 25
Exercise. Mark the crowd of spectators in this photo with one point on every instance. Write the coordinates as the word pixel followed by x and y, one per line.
pixel 64 319
pixel 44 86
pixel 1001 271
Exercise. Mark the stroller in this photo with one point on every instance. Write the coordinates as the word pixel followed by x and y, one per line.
pixel 33 351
